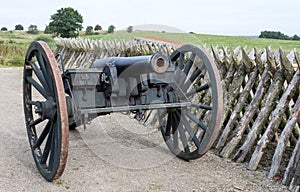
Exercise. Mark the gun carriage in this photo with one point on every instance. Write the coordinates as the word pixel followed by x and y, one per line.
pixel 184 88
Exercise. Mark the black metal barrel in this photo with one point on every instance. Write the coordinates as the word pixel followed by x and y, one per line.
pixel 158 63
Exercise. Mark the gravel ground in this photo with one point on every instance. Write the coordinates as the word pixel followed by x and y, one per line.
pixel 114 153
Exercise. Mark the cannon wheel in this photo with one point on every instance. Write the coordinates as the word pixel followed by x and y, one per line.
pixel 45 111
pixel 190 132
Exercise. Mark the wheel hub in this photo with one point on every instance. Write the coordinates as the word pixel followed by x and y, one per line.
pixel 45 109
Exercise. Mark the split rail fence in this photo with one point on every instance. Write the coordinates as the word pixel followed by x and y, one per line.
pixel 261 100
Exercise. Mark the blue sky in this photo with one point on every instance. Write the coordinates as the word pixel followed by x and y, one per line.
pixel 224 17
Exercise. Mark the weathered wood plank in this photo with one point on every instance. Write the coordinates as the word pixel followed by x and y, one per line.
pixel 275 121
pixel 272 94
pixel 237 109
pixel 262 118
pixel 248 64
pixel 250 111
pixel 287 65
pixel 290 170
pixel 284 137
pixel 295 182
pixel 260 121
pixel 219 61
pixel 233 91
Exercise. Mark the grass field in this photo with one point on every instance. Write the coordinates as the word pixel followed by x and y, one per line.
pixel 208 40
pixel 13 44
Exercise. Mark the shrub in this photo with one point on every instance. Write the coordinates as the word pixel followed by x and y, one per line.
pixel 47 39
pixel 47 30
pixel 111 29
pixel 19 27
pixel 98 28
pixel 32 29
pixel 129 29
pixel 89 30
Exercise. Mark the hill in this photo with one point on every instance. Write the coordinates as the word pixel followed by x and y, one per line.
pixel 13 44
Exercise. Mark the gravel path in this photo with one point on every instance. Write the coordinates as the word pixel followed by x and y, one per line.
pixel 114 153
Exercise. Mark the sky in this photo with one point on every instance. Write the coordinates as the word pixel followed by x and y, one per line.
pixel 221 17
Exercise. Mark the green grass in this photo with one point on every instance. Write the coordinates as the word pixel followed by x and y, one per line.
pixel 179 37
pixel 208 40
pixel 13 44
pixel 259 43
pixel 12 55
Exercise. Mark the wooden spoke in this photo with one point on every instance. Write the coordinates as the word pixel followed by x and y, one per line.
pixel 200 106
pixel 35 122
pixel 196 120
pixel 199 89
pixel 39 75
pixel 47 148
pixel 43 135
pixel 190 131
pixel 168 126
pixel 196 73
pixel 189 64
pixel 38 87
pixel 181 61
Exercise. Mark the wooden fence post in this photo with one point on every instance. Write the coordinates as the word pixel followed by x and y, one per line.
pixel 283 139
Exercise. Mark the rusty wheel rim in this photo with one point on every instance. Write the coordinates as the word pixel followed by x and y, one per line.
pixel 191 131
pixel 45 111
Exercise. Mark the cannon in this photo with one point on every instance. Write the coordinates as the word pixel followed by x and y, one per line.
pixel 183 88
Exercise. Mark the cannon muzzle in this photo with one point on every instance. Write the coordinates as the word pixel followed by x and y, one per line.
pixel 158 63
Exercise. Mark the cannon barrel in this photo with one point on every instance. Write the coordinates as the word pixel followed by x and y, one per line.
pixel 158 63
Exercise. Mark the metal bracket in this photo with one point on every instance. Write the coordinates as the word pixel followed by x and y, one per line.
pixel 59 55
pixel 86 120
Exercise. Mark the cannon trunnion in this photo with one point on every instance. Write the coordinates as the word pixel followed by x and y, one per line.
pixel 183 88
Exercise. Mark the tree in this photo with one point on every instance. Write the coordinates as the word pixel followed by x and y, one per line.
pixel 129 29
pixel 47 30
pixel 89 30
pixel 32 29
pixel 19 27
pixel 296 38
pixel 98 28
pixel 66 23
pixel 3 29
pixel 111 29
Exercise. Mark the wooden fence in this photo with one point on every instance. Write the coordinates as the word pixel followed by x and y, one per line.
pixel 261 100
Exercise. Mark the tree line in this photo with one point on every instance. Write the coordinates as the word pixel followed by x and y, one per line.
pixel 32 29
pixel 277 35
pixel 67 22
